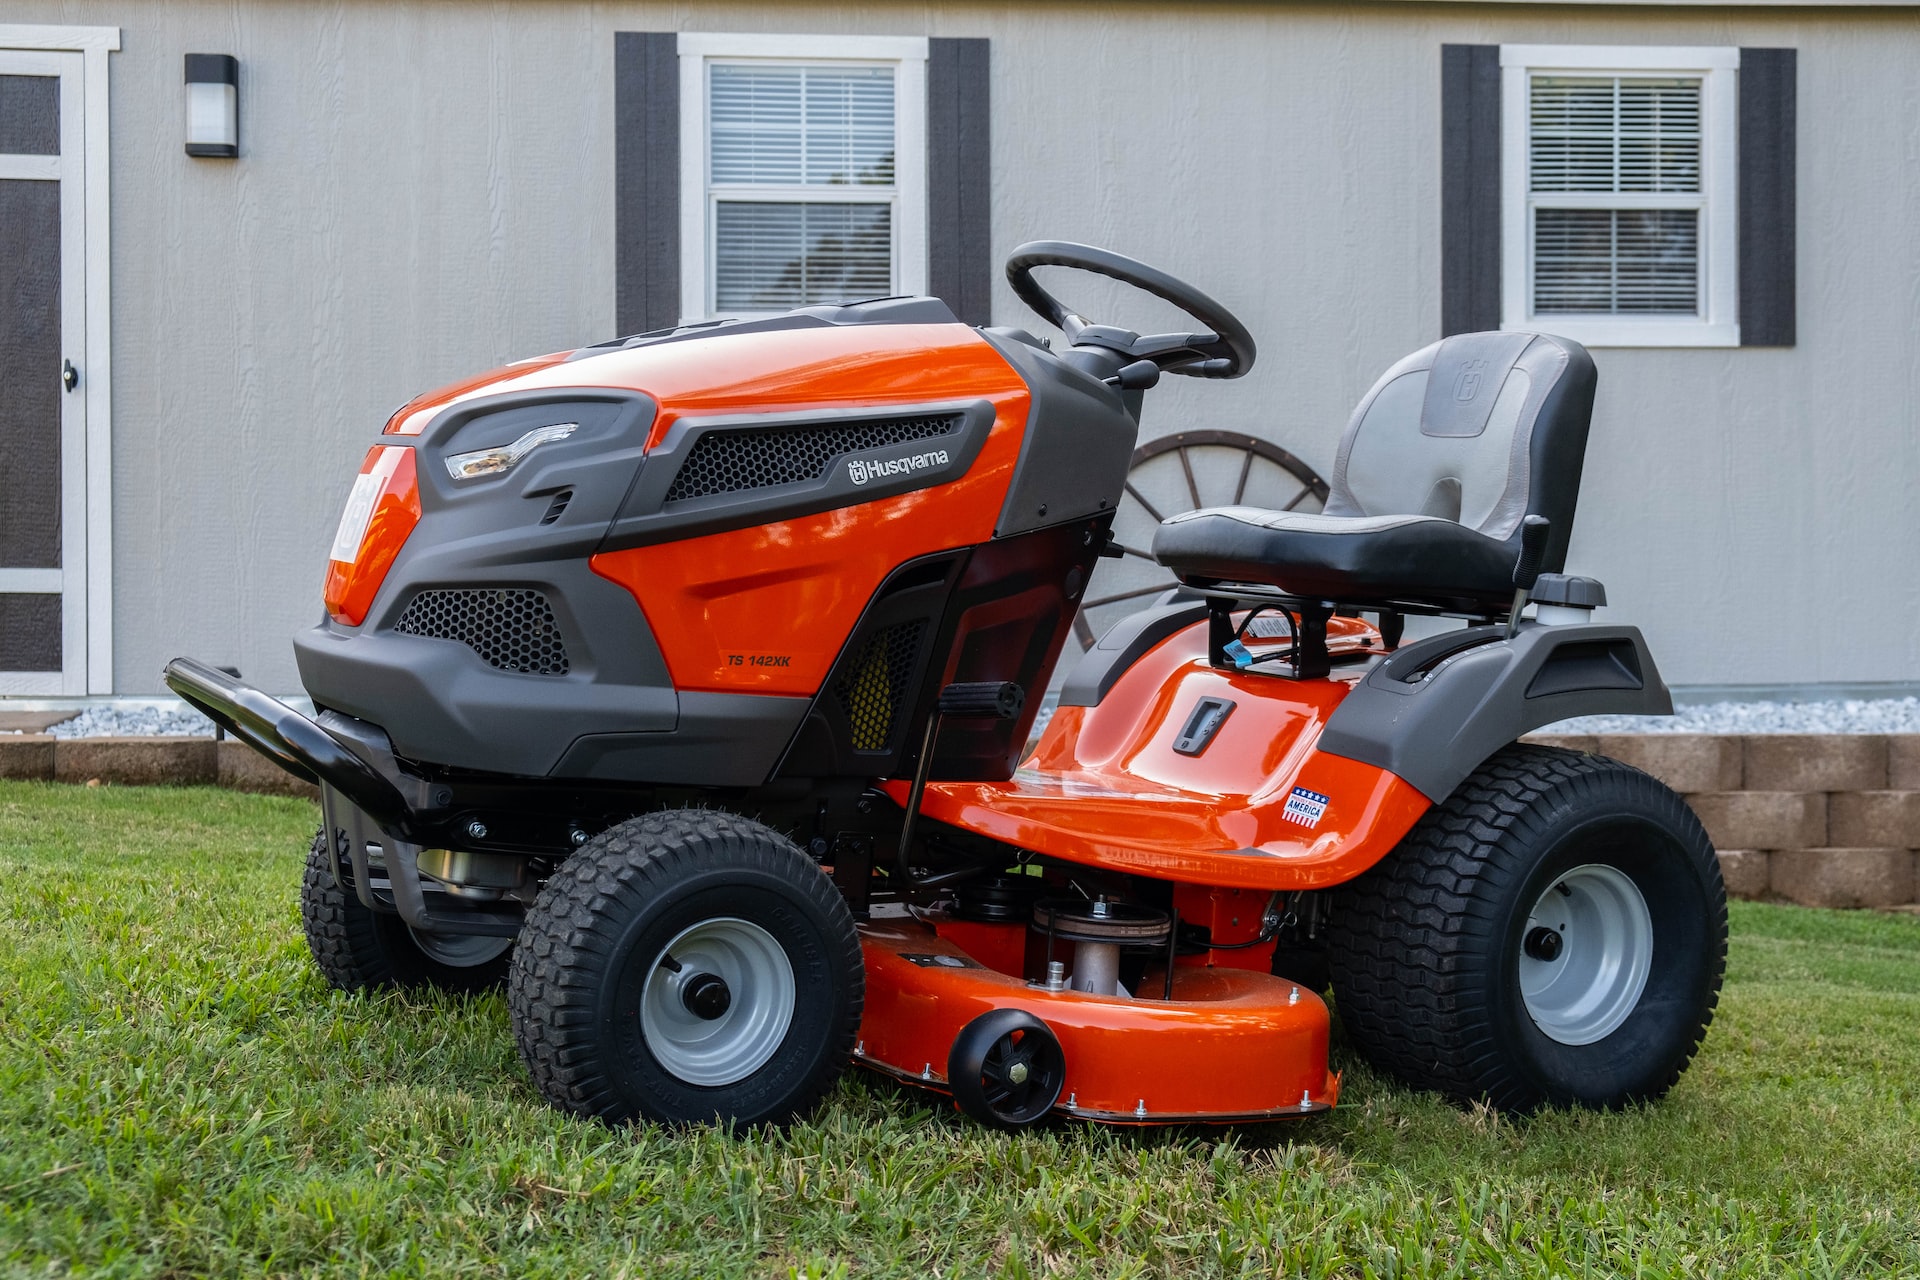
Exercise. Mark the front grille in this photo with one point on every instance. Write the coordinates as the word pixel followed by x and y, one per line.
pixel 510 628
pixel 761 457
pixel 874 689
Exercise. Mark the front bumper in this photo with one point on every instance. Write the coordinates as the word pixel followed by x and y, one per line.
pixel 287 738
pixel 369 816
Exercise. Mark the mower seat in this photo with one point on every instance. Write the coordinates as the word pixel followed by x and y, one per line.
pixel 1443 459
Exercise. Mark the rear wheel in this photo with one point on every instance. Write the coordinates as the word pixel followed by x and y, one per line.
pixel 1554 933
pixel 687 966
pixel 357 948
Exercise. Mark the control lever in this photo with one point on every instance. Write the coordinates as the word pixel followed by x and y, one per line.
pixel 973 700
pixel 1526 569
pixel 1141 375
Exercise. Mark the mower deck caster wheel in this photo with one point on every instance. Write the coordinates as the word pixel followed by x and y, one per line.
pixel 687 967
pixel 1006 1069
pixel 357 948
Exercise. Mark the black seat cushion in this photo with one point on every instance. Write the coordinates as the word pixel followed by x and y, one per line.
pixel 1375 560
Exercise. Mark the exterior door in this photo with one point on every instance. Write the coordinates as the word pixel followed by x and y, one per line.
pixel 43 422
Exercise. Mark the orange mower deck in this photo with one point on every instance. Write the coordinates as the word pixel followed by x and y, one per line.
pixel 1231 1046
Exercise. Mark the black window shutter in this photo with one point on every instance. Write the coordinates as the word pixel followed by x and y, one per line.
pixel 646 180
pixel 1766 197
pixel 959 178
pixel 1469 188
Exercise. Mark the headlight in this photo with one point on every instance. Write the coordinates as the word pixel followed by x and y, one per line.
pixel 501 459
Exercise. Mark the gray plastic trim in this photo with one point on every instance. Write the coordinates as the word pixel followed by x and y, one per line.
pixel 1433 711
pixel 1126 642
pixel 440 703
pixel 1077 447
pixel 722 740
pixel 646 517
pixel 1569 589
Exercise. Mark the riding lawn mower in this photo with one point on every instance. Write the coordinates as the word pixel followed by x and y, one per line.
pixel 684 683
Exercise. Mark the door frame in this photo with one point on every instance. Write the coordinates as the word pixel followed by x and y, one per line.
pixel 95 590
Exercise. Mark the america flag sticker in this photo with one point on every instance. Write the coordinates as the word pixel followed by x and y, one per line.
pixel 1305 807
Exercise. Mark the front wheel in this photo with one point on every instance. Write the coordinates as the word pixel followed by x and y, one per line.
pixel 1554 933
pixel 687 966
pixel 358 948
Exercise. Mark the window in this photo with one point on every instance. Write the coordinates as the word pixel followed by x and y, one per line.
pixel 803 171
pixel 1618 194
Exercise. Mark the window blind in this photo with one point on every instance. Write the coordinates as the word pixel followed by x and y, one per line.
pixel 774 256
pixel 782 139
pixel 1613 169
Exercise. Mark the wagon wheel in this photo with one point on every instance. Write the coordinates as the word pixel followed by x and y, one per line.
pixel 1182 472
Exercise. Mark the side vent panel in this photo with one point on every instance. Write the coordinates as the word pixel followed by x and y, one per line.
pixel 875 689
pixel 1588 664
pixel 511 629
pixel 734 461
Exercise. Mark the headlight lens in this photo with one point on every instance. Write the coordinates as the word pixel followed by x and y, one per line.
pixel 501 459
pixel 381 513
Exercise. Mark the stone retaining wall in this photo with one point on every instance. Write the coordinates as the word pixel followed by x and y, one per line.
pixel 175 762
pixel 1828 820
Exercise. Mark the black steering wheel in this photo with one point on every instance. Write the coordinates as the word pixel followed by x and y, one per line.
pixel 1224 349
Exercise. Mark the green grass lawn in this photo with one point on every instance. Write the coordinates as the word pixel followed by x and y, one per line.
pixel 181 1094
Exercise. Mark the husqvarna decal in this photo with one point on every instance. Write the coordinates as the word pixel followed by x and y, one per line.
pixel 1305 807
pixel 861 470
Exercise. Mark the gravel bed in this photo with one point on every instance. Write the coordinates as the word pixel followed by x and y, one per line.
pixel 1852 715
pixel 134 722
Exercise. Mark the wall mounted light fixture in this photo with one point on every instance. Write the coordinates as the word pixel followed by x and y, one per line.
pixel 213 104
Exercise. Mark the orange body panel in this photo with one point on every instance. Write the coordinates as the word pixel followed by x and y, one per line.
pixel 351 587
pixel 1236 1045
pixel 1106 788
pixel 765 609
pixel 413 416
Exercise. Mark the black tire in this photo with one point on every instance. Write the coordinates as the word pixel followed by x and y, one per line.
pixel 358 949
pixel 593 948
pixel 991 1047
pixel 1426 947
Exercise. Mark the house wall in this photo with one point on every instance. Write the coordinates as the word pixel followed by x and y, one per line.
pixel 426 190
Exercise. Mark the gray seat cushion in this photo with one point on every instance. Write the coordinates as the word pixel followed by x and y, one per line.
pixel 1435 472
pixel 1353 559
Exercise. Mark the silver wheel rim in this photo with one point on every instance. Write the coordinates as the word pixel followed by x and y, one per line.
pixel 1605 950
pixel 721 1050
pixel 459 950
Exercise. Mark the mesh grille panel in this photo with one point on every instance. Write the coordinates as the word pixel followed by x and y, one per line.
pixel 730 461
pixel 512 629
pixel 874 690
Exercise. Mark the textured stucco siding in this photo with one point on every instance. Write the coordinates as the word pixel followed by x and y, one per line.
pixel 426 190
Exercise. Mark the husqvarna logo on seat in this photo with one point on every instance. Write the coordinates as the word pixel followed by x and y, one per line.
pixel 1467 386
pixel 861 470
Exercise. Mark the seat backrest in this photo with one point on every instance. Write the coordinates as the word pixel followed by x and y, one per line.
pixel 1480 428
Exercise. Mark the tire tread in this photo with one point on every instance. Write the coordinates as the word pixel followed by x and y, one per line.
pixel 1408 940
pixel 565 946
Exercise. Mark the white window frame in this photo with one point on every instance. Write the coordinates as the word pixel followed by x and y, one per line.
pixel 1718 324
pixel 908 196
pixel 86 583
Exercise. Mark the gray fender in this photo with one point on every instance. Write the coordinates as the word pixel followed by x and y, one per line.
pixel 1434 710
